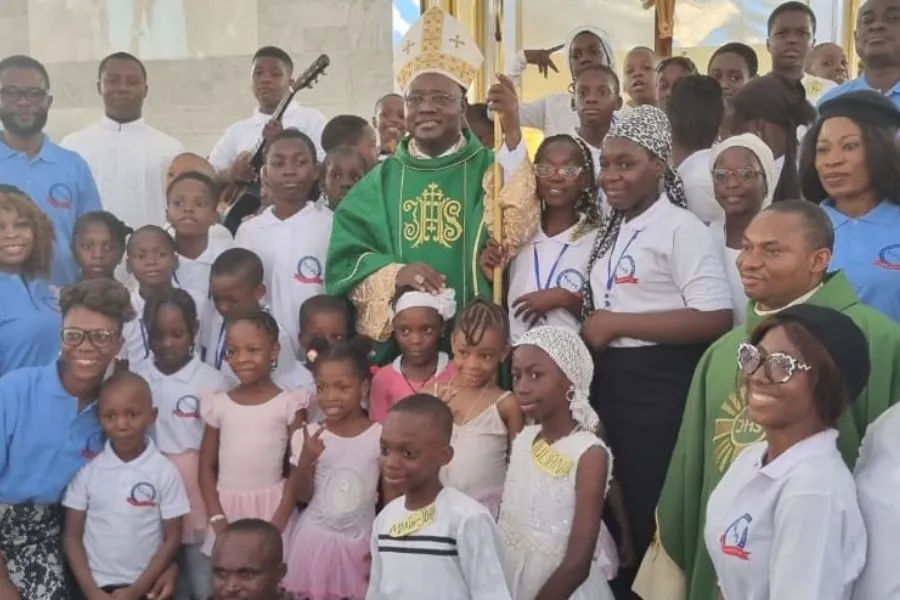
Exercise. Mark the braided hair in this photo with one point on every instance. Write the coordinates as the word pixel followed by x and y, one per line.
pixel 477 317
pixel 587 202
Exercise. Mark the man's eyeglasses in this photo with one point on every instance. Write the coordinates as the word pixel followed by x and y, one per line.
pixel 745 174
pixel 778 366
pixel 439 100
pixel 12 94
pixel 99 338
pixel 543 170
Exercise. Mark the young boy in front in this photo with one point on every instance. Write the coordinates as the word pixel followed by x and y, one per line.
pixel 431 540
pixel 124 508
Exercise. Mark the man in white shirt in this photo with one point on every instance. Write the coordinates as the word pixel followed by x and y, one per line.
pixel 270 78
pixel 127 157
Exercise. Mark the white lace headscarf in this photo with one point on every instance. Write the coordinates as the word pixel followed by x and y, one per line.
pixel 566 349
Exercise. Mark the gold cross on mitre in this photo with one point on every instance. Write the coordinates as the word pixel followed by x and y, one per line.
pixel 437 43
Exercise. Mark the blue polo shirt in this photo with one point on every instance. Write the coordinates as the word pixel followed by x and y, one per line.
pixel 44 441
pixel 867 250
pixel 860 83
pixel 60 182
pixel 30 323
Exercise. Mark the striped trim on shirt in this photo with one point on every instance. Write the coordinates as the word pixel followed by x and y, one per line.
pixel 418 544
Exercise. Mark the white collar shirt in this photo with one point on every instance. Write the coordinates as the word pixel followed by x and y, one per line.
pixel 125 505
pixel 137 338
pixel 129 162
pixel 787 530
pixel 192 274
pixel 698 186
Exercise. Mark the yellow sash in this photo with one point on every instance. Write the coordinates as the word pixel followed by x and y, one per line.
pixel 551 461
pixel 413 522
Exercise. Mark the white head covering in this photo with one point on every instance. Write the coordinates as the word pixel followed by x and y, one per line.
pixel 600 34
pixel 759 149
pixel 565 348
pixel 444 302
pixel 437 43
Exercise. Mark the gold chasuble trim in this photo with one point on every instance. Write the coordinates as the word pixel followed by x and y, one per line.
pixel 372 299
pixel 659 577
pixel 519 204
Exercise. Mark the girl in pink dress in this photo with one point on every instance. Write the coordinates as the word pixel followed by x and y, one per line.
pixel 335 473
pixel 247 431
pixel 419 320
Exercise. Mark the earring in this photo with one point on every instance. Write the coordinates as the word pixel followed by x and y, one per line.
pixel 191 349
pixel 570 394
pixel 274 365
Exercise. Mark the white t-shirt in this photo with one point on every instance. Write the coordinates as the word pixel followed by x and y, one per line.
pixel 244 135
pixel 137 338
pixel 787 530
pixel 698 186
pixel 878 488
pixel 545 263
pixel 458 553
pixel 176 397
pixel 126 504
pixel 129 162
pixel 662 260
pixel 739 298
pixel 293 253
pixel 192 274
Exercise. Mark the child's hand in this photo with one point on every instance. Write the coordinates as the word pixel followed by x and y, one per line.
pixel 313 446
pixel 127 593
pixel 599 329
pixel 533 307
pixel 219 526
pixel 493 256
pixel 164 588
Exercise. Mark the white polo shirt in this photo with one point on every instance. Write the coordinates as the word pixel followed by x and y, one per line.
pixel 662 260
pixel 546 263
pixel 137 338
pixel 878 489
pixel 126 504
pixel 787 530
pixel 193 273
pixel 176 397
pixel 698 186
pixel 293 253
pixel 244 135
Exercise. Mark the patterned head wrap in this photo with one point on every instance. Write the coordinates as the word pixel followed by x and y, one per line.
pixel 569 353
pixel 648 127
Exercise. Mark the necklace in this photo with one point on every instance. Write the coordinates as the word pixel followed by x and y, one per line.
pixel 425 382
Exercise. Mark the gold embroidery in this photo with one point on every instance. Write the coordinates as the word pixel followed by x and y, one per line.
pixel 814 88
pixel 519 205
pixel 372 300
pixel 550 460
pixel 434 218
pixel 734 431
pixel 413 522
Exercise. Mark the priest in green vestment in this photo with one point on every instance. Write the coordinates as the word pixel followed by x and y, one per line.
pixel 421 218
pixel 785 261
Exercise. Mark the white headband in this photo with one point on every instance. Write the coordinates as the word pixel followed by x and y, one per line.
pixel 444 302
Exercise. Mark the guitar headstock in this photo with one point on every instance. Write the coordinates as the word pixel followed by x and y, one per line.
pixel 310 76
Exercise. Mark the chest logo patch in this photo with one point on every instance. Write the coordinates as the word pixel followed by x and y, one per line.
pixel 889 258
pixel 734 541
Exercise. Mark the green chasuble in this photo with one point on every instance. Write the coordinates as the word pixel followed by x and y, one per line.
pixel 716 428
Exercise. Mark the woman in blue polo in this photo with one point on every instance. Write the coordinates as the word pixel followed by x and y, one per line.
pixel 850 164
pixel 48 430
pixel 29 311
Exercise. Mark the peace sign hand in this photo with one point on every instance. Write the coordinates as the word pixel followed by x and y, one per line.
pixel 313 446
pixel 543 60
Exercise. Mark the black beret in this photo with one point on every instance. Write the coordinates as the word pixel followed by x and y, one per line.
pixel 865 106
pixel 845 343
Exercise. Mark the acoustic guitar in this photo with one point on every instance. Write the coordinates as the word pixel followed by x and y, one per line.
pixel 241 199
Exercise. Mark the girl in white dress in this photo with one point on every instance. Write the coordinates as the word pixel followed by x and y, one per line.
pixel 559 473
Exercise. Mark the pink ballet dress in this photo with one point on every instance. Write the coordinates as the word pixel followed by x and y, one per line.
pixel 326 556
pixel 390 385
pixel 253 442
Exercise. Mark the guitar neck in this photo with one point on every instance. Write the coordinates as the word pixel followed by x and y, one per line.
pixel 259 149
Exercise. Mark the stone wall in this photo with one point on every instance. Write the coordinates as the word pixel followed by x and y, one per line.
pixel 199 68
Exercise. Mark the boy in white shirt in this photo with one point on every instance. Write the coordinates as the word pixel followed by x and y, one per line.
pixel 432 542
pixel 124 508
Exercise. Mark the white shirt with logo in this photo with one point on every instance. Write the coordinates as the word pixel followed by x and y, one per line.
pixel 192 274
pixel 547 263
pixel 176 397
pixel 662 260
pixel 126 504
pixel 787 530
pixel 137 338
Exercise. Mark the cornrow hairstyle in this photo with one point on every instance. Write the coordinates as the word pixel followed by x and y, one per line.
pixel 258 317
pixel 323 303
pixel 203 178
pixel 156 229
pixel 587 202
pixel 355 351
pixel 609 71
pixel 477 317
pixel 39 262
pixel 686 64
pixel 296 134
pixel 118 230
pixel 176 297
pixel 239 261
pixel 105 296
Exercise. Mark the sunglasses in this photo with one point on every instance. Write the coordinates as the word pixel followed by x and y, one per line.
pixel 777 366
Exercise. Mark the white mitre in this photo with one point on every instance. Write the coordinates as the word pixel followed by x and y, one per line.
pixel 437 43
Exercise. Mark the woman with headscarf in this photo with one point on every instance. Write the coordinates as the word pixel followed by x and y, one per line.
pixel 850 165
pixel 554 114
pixel 775 109
pixel 742 178
pixel 656 297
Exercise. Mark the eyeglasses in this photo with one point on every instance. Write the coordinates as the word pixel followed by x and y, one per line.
pixel 99 338
pixel 439 100
pixel 543 170
pixel 12 94
pixel 745 174
pixel 778 366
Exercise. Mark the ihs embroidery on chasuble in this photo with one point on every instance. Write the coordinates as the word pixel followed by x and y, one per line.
pixel 432 217
pixel 733 431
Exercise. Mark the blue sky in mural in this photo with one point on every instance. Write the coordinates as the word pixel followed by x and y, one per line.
pixel 405 14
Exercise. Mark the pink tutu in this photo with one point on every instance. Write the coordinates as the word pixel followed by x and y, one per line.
pixel 260 504
pixel 326 565
pixel 195 522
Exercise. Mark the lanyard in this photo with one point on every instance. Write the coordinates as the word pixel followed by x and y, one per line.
pixel 613 265
pixel 537 267
pixel 144 339
pixel 220 347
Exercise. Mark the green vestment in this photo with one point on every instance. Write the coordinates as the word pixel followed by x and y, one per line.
pixel 716 428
